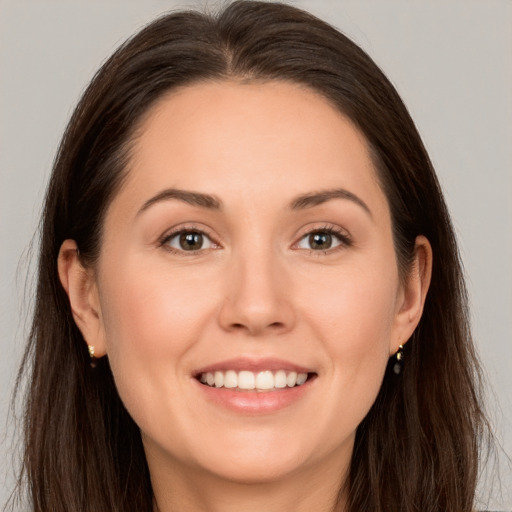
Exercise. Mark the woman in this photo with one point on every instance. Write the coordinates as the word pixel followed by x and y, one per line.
pixel 241 304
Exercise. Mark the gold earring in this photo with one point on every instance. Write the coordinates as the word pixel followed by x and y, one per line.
pixel 91 354
pixel 399 357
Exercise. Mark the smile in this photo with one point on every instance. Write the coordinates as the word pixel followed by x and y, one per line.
pixel 254 386
pixel 266 380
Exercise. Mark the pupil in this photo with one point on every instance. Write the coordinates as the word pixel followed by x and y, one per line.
pixel 320 240
pixel 191 241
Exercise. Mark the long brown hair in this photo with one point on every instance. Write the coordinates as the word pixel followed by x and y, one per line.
pixel 418 447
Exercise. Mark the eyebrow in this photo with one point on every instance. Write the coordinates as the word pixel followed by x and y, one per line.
pixel 211 202
pixel 193 198
pixel 317 198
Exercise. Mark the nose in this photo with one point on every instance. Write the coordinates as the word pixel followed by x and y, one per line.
pixel 258 297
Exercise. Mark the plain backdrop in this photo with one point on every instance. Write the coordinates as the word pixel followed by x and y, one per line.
pixel 450 60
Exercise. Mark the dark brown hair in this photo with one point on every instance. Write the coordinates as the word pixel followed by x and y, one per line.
pixel 417 449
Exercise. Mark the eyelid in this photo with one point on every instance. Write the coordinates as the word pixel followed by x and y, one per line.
pixel 343 236
pixel 163 240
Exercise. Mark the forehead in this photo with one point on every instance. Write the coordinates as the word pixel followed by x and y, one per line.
pixel 248 139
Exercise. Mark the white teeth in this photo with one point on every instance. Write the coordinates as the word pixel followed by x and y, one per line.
pixel 230 379
pixel 291 379
pixel 301 378
pixel 280 379
pixel 246 380
pixel 219 379
pixel 265 380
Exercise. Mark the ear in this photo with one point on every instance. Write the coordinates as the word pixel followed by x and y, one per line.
pixel 412 294
pixel 80 285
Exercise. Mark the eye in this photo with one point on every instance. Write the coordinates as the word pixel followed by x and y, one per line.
pixel 188 240
pixel 323 240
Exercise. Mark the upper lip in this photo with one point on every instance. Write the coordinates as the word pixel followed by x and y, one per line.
pixel 253 365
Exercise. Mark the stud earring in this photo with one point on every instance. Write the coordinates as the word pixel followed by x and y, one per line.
pixel 399 357
pixel 93 358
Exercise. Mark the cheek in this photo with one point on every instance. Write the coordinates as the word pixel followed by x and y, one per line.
pixel 354 316
pixel 354 309
pixel 151 318
pixel 147 307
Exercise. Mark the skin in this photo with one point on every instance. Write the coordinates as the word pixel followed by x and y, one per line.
pixel 259 289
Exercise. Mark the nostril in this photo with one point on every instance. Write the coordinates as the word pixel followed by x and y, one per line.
pixel 254 329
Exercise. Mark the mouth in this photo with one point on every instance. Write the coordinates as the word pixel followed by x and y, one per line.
pixel 260 381
pixel 254 386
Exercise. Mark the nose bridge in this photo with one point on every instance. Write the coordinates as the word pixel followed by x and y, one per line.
pixel 256 298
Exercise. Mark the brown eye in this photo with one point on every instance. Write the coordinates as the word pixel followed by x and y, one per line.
pixel 323 240
pixel 191 241
pixel 320 241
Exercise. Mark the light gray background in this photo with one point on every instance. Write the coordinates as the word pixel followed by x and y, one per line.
pixel 450 60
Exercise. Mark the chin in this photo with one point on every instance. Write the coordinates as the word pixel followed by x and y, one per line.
pixel 270 457
pixel 256 470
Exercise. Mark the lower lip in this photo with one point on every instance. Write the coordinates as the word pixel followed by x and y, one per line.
pixel 255 402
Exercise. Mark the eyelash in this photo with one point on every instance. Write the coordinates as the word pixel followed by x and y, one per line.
pixel 342 237
pixel 164 241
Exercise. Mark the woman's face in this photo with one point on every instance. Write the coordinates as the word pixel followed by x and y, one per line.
pixel 250 246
